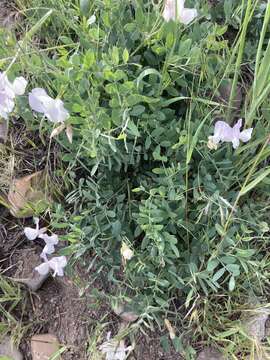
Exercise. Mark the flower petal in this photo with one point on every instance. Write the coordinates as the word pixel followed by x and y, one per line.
pixel 238 125
pixel 56 111
pixel 187 16
pixel 223 132
pixel 43 269
pixel 48 249
pixel 245 135
pixel 169 10
pixel 37 99
pixel 30 233
pixel 19 85
pixel 57 264
pixel 235 142
pixel 51 240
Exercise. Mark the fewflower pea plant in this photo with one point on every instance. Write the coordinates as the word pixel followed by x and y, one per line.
pixel 57 264
pixel 140 85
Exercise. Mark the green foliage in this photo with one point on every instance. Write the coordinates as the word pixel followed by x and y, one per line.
pixel 142 98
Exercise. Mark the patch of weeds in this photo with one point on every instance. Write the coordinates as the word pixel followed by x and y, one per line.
pixel 143 98
pixel 10 299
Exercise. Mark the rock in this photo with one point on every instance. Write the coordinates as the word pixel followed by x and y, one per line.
pixel 8 349
pixel 124 312
pixel 26 273
pixel 35 282
pixel 255 325
pixel 44 346
pixel 210 354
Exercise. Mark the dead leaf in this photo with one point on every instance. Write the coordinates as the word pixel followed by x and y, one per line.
pixel 3 130
pixel 210 354
pixel 170 328
pixel 57 130
pixel 125 313
pixel 69 133
pixel 27 196
pixel 255 326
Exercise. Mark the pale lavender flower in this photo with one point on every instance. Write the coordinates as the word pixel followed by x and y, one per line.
pixel 33 234
pixel 53 109
pixel 8 91
pixel 57 264
pixel 50 242
pixel 225 133
pixel 175 10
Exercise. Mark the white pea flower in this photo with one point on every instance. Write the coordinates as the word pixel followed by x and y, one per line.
pixel 175 10
pixel 91 20
pixel 225 133
pixel 57 264
pixel 33 234
pixel 126 252
pixel 53 109
pixel 8 91
pixel 114 349
pixel 50 241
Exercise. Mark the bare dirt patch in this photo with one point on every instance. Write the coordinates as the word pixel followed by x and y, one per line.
pixel 8 14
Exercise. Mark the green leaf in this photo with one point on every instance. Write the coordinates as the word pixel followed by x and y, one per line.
pixel 145 73
pixel 137 110
pixel 115 55
pixel 125 56
pixel 232 283
pixel 116 228
pixel 133 129
pixel 234 269
pixel 254 183
pixel 219 229
pixel 169 40
pixel 212 265
pixel 218 275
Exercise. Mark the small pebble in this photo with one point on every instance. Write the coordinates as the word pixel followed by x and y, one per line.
pixel 34 282
pixel 210 354
pixel 8 349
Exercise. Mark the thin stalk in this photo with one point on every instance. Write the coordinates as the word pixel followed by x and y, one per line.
pixel 239 58
pixel 259 51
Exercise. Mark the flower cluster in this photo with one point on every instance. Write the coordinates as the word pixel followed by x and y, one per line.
pixel 225 133
pixel 57 264
pixel 8 91
pixel 114 349
pixel 39 100
pixel 52 109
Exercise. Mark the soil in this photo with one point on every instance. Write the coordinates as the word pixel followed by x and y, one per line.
pixel 8 14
